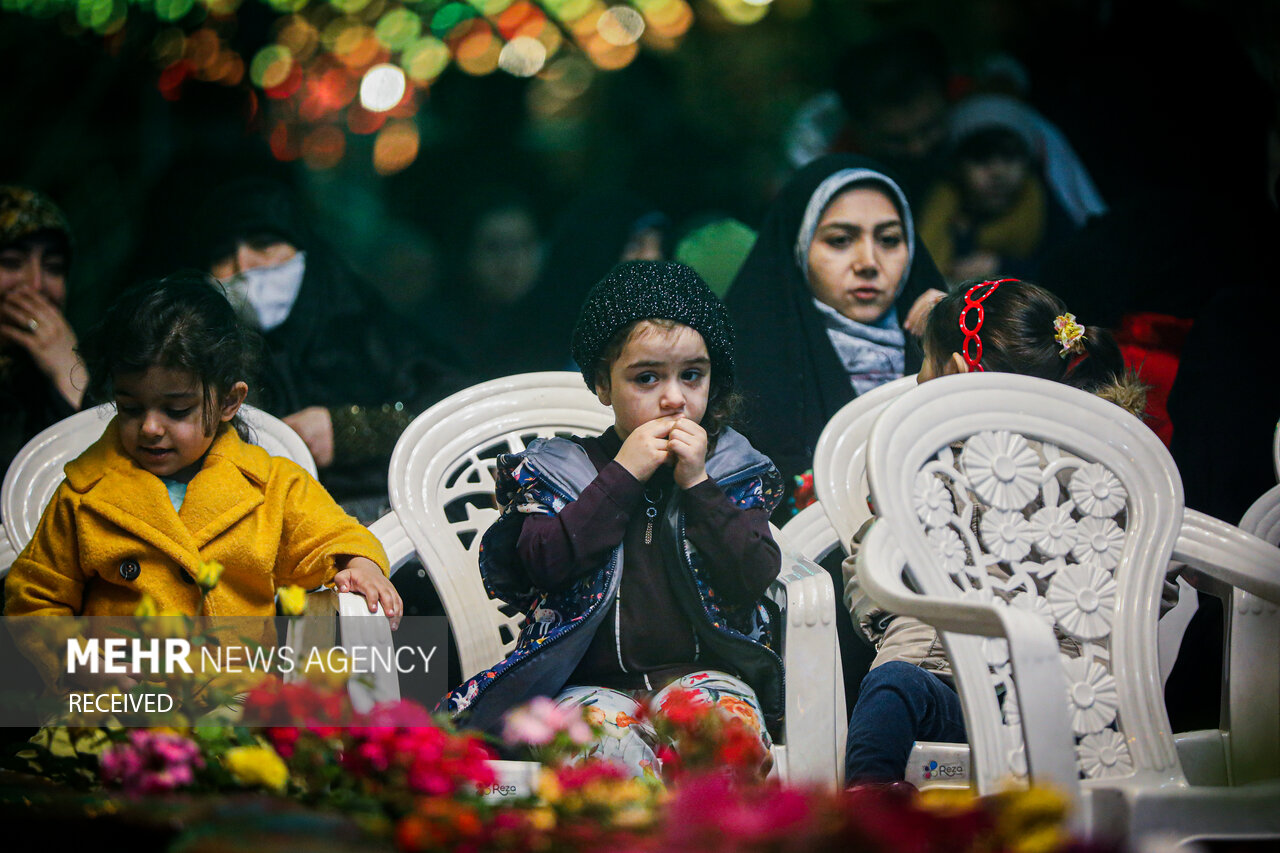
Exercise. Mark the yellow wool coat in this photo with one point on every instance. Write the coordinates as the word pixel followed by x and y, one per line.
pixel 110 535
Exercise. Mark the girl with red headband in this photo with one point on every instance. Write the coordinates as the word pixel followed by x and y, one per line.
pixel 1012 327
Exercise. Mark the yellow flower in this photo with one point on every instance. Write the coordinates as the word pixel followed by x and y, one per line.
pixel 208 574
pixel 330 671
pixel 293 600
pixel 549 789
pixel 257 765
pixel 146 611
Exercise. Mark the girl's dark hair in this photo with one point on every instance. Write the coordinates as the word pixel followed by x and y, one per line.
pixel 1018 337
pixel 723 402
pixel 180 322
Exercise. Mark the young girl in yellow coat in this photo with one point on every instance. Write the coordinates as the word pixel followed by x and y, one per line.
pixel 172 484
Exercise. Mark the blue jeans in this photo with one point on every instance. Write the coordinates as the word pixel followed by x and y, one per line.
pixel 898 705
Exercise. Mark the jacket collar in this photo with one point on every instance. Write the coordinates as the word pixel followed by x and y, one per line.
pixel 224 491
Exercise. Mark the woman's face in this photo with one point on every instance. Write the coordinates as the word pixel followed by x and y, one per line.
pixel 858 254
pixel 38 266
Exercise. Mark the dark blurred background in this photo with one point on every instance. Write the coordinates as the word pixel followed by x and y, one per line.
pixel 1150 92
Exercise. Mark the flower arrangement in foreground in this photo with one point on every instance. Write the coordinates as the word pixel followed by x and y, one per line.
pixel 404 773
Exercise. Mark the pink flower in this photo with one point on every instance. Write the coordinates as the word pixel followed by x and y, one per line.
pixel 150 762
pixel 537 723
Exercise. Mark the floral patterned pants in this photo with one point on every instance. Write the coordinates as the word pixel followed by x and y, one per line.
pixel 631 741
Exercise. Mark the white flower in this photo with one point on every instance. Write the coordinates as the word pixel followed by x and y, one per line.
pixel 1104 754
pixel 950 550
pixel 1033 604
pixel 1091 690
pixel 1053 530
pixel 932 500
pixel 1082 600
pixel 1002 468
pixel 1096 491
pixel 1099 542
pixel 1006 535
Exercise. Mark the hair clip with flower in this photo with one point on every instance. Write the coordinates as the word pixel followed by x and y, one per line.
pixel 1069 334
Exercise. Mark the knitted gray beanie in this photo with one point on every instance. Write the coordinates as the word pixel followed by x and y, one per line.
pixel 646 290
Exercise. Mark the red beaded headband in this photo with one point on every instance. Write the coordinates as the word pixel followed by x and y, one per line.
pixel 974 360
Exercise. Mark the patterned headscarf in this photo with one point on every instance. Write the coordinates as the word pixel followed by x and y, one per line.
pixel 24 212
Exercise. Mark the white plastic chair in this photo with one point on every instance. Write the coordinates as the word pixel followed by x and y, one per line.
pixel 442 497
pixel 840 458
pixel 1109 517
pixel 810 534
pixel 36 472
pixel 840 481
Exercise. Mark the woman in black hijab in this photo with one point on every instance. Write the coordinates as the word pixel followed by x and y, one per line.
pixel 340 367
pixel 820 304
pixel 819 307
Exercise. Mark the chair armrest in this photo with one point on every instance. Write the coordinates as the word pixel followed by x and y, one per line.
pixel 815 723
pixel 329 611
pixel 361 628
pixel 395 540
pixel 1033 654
pixel 1227 553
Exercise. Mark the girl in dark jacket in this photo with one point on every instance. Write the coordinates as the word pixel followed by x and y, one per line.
pixel 641 557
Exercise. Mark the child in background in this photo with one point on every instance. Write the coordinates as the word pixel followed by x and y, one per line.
pixel 909 694
pixel 641 556
pixel 171 483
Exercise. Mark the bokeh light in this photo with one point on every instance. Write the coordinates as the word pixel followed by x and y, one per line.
pixel 300 36
pixel 396 147
pixel 168 46
pixel 324 147
pixel 398 28
pixel 522 56
pixel 349 7
pixel 425 59
pixel 449 17
pixel 172 10
pixel 742 12
pixel 382 87
pixel 620 25
pixel 478 51
pixel 271 66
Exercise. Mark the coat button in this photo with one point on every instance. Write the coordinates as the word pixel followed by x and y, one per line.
pixel 129 570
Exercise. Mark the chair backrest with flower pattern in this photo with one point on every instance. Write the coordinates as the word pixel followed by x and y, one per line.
pixel 1006 491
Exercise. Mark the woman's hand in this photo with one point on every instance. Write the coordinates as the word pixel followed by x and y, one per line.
pixel 362 576
pixel 31 321
pixel 646 449
pixel 919 313
pixel 688 446
pixel 315 425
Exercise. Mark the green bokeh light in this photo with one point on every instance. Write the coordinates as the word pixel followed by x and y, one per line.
pixel 425 59
pixel 444 21
pixel 398 28
pixel 172 10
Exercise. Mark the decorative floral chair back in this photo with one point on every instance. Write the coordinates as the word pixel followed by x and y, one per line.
pixel 36 472
pixel 442 499
pixel 840 458
pixel 1069 511
pixel 1026 511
